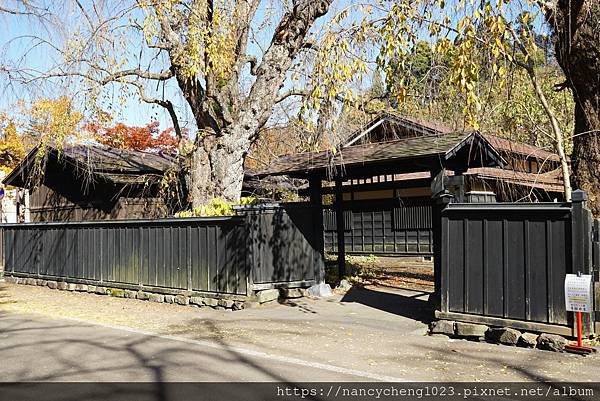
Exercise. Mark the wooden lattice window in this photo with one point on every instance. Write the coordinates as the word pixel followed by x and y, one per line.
pixel 412 217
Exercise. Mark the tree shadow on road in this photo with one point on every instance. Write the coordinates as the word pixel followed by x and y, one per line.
pixel 57 351
pixel 409 306
pixel 534 370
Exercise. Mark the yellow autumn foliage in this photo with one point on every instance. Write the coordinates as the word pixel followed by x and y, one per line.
pixel 12 148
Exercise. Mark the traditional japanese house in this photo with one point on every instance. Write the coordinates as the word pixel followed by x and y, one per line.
pixel 91 182
pixel 388 171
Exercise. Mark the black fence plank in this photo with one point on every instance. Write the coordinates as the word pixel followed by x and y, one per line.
pixel 456 266
pixel 508 260
pixel 493 269
pixel 537 285
pixel 474 267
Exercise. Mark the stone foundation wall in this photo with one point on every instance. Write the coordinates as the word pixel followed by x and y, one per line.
pixel 498 335
pixel 180 297
pixel 217 301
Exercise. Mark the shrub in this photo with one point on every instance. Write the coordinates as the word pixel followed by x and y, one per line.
pixel 217 207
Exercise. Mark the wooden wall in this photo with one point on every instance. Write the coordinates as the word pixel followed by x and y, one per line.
pixel 47 204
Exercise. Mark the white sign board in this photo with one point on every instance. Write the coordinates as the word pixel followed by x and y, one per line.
pixel 578 293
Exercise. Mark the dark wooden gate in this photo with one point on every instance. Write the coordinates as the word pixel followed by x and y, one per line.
pixel 504 264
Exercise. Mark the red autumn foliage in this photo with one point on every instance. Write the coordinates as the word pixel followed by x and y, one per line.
pixel 122 136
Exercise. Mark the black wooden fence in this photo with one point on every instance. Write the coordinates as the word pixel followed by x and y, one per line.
pixel 382 227
pixel 504 264
pixel 261 248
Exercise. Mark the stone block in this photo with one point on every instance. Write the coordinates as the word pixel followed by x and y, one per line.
pixel 442 327
pixel 52 285
pixel 91 288
pixel 211 302
pixel 503 335
pixel 144 296
pixel 100 290
pixel 81 287
pixel 267 296
pixel 71 286
pixel 238 305
pixel 9 279
pixel 225 303
pixel 291 293
pixel 198 301
pixel 40 282
pixel 116 292
pixel 182 300
pixel 30 281
pixel 169 299
pixel 527 340
pixel 156 298
pixel 470 330
pixel 551 342
pixel 130 294
pixel 62 285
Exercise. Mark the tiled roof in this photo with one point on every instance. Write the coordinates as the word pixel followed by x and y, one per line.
pixel 507 145
pixel 107 159
pixel 550 181
pixel 116 165
pixel 432 127
pixel 371 153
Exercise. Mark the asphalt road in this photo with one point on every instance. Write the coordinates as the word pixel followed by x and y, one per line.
pixel 34 348
pixel 366 335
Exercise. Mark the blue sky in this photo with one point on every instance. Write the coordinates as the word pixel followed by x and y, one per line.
pixel 130 111
pixel 17 32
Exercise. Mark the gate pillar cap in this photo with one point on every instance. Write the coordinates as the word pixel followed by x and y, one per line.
pixel 579 196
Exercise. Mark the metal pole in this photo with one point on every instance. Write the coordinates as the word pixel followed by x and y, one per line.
pixel 579 342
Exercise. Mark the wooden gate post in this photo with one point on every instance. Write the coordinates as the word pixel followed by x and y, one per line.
pixel 339 221
pixel 438 297
pixel 316 201
pixel 581 243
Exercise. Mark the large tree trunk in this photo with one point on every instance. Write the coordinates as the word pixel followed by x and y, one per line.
pixel 577 30
pixel 229 123
pixel 217 166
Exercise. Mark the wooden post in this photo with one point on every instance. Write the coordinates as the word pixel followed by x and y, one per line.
pixel 316 200
pixel 339 220
pixel 439 296
pixel 581 244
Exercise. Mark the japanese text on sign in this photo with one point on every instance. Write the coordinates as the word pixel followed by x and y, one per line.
pixel 578 293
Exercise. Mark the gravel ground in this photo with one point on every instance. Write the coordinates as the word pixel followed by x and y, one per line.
pixel 369 329
pixel 396 272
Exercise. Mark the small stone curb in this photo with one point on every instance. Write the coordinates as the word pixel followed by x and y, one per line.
pixel 274 294
pixel 497 335
pixel 183 300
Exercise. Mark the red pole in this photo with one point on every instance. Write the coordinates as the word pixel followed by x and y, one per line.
pixel 579 329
